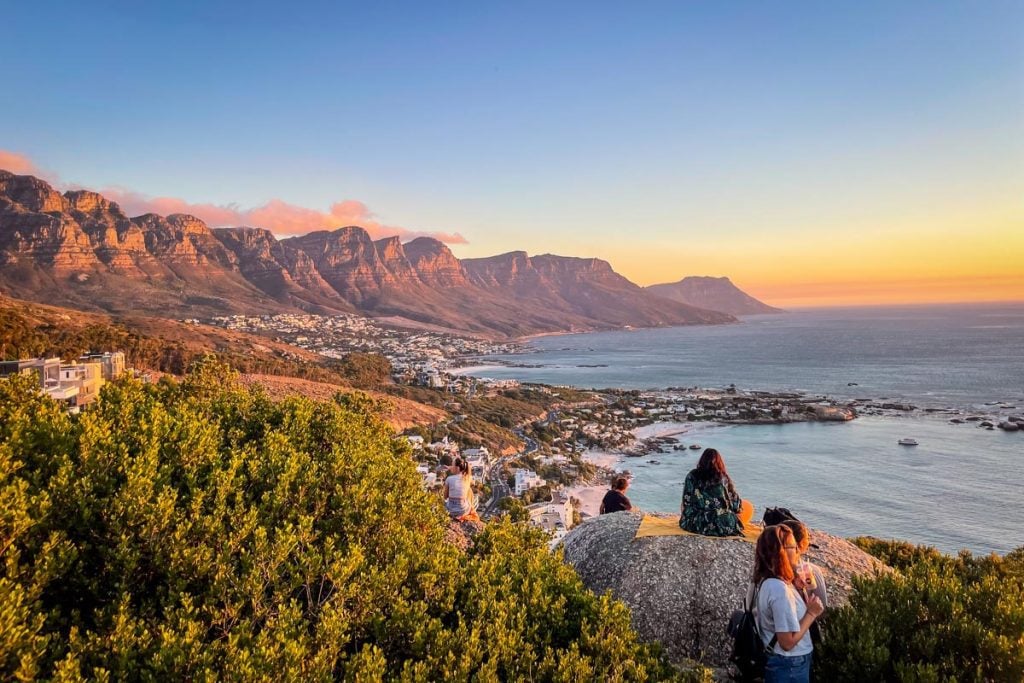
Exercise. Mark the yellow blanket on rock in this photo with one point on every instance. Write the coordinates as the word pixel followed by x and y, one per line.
pixel 669 526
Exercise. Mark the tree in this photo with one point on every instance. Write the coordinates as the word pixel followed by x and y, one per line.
pixel 936 618
pixel 514 509
pixel 201 531
pixel 366 370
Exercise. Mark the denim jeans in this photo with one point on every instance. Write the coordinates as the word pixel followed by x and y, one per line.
pixel 780 669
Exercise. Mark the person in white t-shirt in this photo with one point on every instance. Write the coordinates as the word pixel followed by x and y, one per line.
pixel 783 618
pixel 459 499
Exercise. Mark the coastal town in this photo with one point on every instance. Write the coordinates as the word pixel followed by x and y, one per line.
pixel 537 453
pixel 416 356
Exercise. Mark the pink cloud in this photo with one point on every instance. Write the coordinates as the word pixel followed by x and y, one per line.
pixel 278 216
pixel 19 164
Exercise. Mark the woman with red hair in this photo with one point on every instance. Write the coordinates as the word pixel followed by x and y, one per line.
pixel 783 619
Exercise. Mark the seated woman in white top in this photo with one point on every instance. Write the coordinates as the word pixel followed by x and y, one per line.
pixel 782 615
pixel 458 493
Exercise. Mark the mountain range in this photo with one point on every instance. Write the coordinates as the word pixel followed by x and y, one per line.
pixel 81 250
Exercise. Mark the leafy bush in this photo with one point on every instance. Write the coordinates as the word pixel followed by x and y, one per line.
pixel 200 531
pixel 937 618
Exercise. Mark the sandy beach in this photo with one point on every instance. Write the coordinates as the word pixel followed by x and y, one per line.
pixel 590 498
pixel 603 459
pixel 473 369
pixel 659 429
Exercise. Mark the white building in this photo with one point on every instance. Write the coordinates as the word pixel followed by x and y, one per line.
pixel 429 476
pixel 554 517
pixel 526 480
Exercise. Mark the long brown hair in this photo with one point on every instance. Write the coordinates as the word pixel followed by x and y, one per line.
pixel 770 558
pixel 711 467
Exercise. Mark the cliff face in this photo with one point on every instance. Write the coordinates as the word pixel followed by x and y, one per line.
pixel 348 260
pixel 718 293
pixel 435 264
pixel 588 290
pixel 282 272
pixel 80 249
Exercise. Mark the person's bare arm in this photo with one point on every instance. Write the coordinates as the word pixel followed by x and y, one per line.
pixel 787 640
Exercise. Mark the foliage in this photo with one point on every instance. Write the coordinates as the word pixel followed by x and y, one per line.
pixel 937 618
pixel 899 554
pixel 201 531
pixel 538 494
pixel 365 370
pixel 21 336
pixel 514 509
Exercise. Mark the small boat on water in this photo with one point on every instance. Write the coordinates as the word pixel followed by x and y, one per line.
pixel 694 446
pixel 907 442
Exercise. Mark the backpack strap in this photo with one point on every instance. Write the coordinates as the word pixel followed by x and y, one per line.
pixel 757 617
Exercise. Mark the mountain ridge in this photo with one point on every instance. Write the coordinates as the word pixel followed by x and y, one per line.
pixel 718 293
pixel 80 249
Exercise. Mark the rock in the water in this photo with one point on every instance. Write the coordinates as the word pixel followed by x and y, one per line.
pixel 1009 426
pixel 682 589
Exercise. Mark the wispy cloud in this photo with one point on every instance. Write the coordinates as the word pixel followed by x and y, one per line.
pixel 18 163
pixel 276 215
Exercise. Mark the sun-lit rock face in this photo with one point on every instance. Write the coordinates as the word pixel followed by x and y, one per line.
pixel 79 248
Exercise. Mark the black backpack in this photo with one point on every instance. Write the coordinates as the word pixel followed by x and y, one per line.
pixel 749 653
pixel 773 516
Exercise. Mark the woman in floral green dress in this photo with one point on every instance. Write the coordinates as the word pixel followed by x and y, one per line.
pixel 711 506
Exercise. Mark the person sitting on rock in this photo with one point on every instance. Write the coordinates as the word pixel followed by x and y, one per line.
pixel 711 506
pixel 783 618
pixel 459 499
pixel 615 500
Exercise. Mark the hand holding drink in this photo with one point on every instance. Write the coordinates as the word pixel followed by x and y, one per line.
pixel 815 606
pixel 806 574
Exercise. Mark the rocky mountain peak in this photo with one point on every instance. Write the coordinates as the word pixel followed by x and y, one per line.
pixel 718 293
pixel 87 201
pixel 435 263
pixel 392 255
pixel 31 193
pixel 80 249
pixel 188 224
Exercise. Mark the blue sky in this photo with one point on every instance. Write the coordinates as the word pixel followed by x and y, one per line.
pixel 661 136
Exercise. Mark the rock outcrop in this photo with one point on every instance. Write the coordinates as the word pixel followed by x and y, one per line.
pixel 287 274
pixel 716 293
pixel 435 263
pixel 682 589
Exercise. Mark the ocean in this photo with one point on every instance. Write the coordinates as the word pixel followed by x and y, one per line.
pixel 961 488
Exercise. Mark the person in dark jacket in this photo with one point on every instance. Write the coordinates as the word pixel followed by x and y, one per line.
pixel 711 506
pixel 615 500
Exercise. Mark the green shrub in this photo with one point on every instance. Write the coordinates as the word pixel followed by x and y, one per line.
pixel 200 531
pixel 937 618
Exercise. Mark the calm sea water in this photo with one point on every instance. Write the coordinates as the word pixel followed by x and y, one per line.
pixel 933 356
pixel 962 487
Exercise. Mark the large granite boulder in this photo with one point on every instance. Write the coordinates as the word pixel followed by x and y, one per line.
pixel 682 589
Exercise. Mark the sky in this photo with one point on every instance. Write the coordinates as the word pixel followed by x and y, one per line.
pixel 816 153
